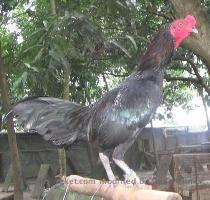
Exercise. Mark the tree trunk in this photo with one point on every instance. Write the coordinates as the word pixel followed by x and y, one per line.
pixel 17 173
pixel 62 152
pixel 0 122
pixel 105 82
pixel 53 7
pixel 197 43
pixel 205 108
pixel 66 80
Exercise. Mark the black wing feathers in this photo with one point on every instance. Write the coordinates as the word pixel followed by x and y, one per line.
pixel 59 121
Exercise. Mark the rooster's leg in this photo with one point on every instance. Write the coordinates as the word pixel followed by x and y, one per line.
pixel 105 161
pixel 118 156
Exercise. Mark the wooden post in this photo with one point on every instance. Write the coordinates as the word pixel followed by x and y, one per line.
pixel 119 191
pixel 9 180
pixel 18 193
pixel 154 145
pixel 162 169
pixel 45 179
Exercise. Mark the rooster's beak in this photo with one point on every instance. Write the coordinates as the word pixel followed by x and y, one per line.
pixel 194 30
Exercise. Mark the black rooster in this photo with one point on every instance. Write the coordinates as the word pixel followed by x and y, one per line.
pixel 115 121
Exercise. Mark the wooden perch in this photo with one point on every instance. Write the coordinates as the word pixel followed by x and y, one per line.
pixel 120 191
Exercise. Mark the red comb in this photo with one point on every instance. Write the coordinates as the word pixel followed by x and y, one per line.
pixel 191 19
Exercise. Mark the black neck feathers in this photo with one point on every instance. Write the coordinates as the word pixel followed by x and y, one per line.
pixel 159 52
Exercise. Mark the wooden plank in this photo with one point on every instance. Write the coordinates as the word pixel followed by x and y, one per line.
pixel 6 196
pixel 93 187
pixel 203 194
pixel 8 179
pixel 163 168
pixel 44 180
pixel 191 171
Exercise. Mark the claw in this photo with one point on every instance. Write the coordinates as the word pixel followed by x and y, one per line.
pixel 132 178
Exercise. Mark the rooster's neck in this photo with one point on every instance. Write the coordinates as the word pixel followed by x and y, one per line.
pixel 158 54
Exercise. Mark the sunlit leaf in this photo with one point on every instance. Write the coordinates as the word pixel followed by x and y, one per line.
pixel 31 67
pixel 121 47
pixel 45 23
pixel 132 40
pixel 21 80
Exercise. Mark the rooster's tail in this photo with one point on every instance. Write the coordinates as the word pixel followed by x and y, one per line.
pixel 59 121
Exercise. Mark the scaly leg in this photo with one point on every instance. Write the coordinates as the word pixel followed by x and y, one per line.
pixel 118 156
pixel 105 161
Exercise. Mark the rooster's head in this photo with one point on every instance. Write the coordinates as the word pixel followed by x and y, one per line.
pixel 180 29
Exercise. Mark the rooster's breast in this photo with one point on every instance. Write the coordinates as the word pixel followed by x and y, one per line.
pixel 132 108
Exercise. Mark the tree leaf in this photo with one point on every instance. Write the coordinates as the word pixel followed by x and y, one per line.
pixel 132 40
pixel 121 47
pixel 38 56
pixel 55 55
pixel 22 79
pixel 31 67
pixel 31 48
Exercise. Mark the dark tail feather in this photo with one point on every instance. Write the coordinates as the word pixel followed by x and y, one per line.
pixel 59 121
